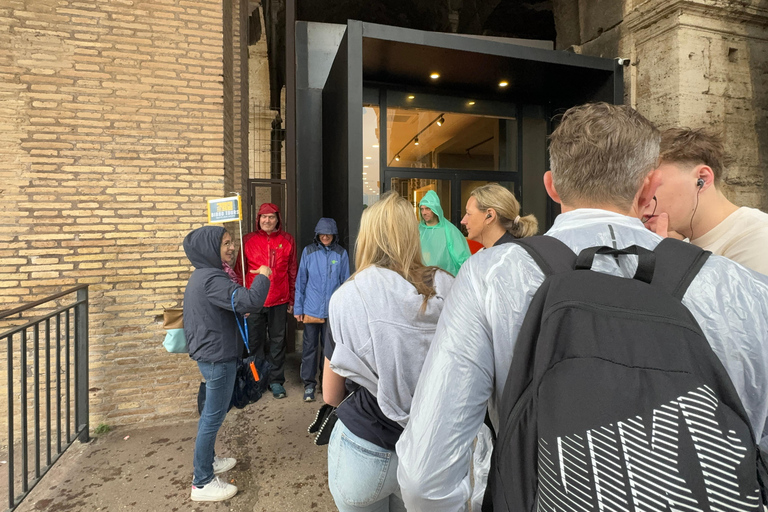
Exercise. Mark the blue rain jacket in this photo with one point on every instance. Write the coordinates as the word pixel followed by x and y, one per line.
pixel 321 271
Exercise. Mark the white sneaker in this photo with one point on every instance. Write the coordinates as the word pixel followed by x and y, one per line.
pixel 222 464
pixel 215 490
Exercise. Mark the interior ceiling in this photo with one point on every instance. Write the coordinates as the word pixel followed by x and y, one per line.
pixel 457 135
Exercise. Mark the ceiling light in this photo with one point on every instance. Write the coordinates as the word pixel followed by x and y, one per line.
pixel 368 158
pixel 440 121
pixel 416 141
pixel 411 96
pixel 471 103
pixel 365 166
pixel 365 173
pixel 434 76
pixel 503 83
pixel 375 145
pixel 397 158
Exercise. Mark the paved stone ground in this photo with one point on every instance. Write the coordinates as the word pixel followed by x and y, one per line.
pixel 278 468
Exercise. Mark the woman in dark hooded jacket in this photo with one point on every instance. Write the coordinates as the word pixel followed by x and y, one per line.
pixel 214 342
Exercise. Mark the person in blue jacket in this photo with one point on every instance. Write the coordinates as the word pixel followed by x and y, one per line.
pixel 324 267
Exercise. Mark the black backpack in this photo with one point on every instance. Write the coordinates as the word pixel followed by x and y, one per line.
pixel 615 399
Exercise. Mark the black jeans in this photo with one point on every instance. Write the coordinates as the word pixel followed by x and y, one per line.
pixel 312 353
pixel 266 336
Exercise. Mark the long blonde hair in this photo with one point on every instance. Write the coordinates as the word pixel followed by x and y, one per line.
pixel 389 238
pixel 507 209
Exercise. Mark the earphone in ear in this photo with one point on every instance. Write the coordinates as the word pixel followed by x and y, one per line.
pixel 488 216
pixel 700 182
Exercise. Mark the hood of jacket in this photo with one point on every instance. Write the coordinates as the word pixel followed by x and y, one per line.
pixel 432 201
pixel 203 246
pixel 326 226
pixel 266 208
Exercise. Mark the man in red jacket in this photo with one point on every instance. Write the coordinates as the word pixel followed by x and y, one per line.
pixel 271 246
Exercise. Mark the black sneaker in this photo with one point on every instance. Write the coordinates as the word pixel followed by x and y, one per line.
pixel 278 391
pixel 309 393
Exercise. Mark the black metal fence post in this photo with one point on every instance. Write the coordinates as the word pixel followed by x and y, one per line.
pixel 81 365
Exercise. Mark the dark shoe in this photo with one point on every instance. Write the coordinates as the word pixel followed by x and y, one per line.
pixel 309 394
pixel 278 391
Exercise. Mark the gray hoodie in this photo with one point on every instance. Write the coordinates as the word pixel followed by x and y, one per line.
pixel 381 336
pixel 209 323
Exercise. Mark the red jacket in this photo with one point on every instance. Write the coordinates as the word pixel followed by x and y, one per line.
pixel 276 250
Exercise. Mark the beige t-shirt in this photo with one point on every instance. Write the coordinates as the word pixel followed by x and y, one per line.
pixel 741 237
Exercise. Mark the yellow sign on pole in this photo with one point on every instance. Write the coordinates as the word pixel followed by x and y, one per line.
pixel 227 209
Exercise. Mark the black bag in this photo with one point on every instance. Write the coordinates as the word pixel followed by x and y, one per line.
pixel 325 420
pixel 615 399
pixel 251 381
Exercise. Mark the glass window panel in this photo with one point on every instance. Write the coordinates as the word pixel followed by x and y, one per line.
pixel 421 138
pixel 414 189
pixel 371 172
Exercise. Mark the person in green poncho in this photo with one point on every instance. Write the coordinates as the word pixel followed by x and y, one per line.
pixel 442 244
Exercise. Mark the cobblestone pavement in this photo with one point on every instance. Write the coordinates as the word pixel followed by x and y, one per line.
pixel 278 466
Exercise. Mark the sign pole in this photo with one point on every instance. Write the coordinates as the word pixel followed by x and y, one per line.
pixel 242 247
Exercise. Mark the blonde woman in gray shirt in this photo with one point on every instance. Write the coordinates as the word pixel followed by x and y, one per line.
pixel 382 322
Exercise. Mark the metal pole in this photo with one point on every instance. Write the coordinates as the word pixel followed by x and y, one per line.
pixel 81 365
pixel 240 223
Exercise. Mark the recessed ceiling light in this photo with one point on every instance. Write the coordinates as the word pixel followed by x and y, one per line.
pixel 503 83
pixel 375 145
pixel 434 76
pixel 471 103
pixel 365 167
pixel 411 96
pixel 368 158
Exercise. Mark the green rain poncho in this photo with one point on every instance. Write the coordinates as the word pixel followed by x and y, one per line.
pixel 442 245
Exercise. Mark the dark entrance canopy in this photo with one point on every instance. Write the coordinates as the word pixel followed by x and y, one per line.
pixel 329 110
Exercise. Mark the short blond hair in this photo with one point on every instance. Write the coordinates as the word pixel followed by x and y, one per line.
pixel 507 208
pixel 389 238
pixel 600 154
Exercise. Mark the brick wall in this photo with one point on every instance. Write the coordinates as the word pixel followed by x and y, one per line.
pixel 111 139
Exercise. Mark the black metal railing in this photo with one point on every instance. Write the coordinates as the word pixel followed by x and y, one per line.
pixel 64 328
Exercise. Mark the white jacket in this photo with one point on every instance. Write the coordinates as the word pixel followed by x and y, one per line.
pixel 382 337
pixel 467 366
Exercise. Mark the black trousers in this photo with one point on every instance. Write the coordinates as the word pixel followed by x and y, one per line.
pixel 312 353
pixel 266 337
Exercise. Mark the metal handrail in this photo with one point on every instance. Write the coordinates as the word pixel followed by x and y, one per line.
pixel 21 309
pixel 71 340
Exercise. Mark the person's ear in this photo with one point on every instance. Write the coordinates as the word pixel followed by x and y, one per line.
pixel 706 175
pixel 550 187
pixel 489 214
pixel 647 191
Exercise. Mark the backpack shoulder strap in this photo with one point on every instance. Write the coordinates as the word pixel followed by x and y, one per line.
pixel 677 264
pixel 549 253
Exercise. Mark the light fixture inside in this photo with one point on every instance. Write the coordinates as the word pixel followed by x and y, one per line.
pixel 411 96
pixel 368 158
pixel 434 76
pixel 397 158
pixel 440 121
pixel 416 141
pixel 503 83
pixel 471 103
pixel 365 167
pixel 375 145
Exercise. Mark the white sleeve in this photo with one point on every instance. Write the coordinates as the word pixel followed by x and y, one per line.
pixel 449 404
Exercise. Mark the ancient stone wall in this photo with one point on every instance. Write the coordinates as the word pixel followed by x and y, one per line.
pixel 693 63
pixel 111 140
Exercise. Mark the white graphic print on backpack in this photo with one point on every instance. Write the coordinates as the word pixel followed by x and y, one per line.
pixel 611 467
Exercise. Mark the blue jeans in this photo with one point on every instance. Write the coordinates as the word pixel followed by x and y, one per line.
pixel 361 475
pixel 219 384
pixel 314 334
